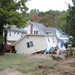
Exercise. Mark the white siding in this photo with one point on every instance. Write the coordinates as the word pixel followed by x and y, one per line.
pixel 38 42
pixel 14 35
pixel 27 29
pixel 51 41
pixel 62 37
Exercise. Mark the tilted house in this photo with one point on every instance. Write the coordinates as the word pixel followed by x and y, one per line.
pixel 37 28
pixel 34 43
pixel 39 38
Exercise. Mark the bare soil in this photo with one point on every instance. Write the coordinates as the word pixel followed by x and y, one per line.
pixel 9 72
pixel 66 66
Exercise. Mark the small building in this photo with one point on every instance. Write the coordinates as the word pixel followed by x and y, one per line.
pixel 33 43
pixel 14 34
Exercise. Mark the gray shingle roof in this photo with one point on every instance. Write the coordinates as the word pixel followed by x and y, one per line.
pixel 53 30
pixel 40 26
pixel 43 28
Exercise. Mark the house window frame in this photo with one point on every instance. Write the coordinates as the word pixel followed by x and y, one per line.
pixel 30 44
pixel 17 32
pixel 10 34
pixel 14 32
pixel 35 32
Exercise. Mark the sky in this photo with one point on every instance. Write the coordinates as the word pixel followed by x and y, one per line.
pixel 45 5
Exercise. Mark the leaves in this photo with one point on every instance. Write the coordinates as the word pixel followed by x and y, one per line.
pixel 9 13
pixel 70 26
pixel 50 18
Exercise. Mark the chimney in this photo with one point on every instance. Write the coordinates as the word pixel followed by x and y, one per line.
pixel 31 28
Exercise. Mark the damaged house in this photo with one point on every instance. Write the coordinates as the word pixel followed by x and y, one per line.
pixel 39 37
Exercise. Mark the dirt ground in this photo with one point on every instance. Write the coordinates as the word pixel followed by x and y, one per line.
pixel 66 66
pixel 9 72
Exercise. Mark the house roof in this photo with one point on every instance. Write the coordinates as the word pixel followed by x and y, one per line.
pixel 15 28
pixel 44 29
pixel 53 30
pixel 40 26
pixel 59 30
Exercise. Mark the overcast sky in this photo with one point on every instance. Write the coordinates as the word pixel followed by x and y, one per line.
pixel 45 5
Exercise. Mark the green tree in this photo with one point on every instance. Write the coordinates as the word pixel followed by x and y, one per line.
pixel 9 14
pixel 49 18
pixel 33 15
pixel 70 27
pixel 61 19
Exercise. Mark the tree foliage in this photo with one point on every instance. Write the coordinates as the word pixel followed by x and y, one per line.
pixel 9 13
pixel 49 18
pixel 70 27
pixel 61 19
pixel 33 15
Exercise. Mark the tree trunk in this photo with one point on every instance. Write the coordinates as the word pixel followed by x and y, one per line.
pixel 2 51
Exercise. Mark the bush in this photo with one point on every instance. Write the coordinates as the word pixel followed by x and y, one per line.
pixel 69 53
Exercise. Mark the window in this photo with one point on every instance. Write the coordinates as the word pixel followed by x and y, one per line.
pixel 9 34
pixel 17 32
pixel 21 34
pixel 14 32
pixel 61 44
pixel 35 32
pixel 30 44
pixel 46 32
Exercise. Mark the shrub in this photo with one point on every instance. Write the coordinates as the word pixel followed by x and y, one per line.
pixel 69 53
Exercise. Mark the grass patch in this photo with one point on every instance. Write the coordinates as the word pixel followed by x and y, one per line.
pixel 56 57
pixel 21 63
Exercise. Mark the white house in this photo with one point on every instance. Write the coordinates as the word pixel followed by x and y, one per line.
pixel 33 43
pixel 37 28
pixel 14 34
